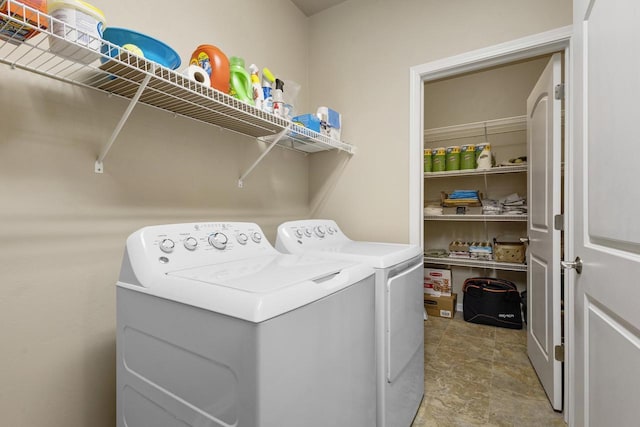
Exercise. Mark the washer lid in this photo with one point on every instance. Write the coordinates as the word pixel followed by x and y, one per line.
pixel 261 275
pixel 376 255
pixel 257 288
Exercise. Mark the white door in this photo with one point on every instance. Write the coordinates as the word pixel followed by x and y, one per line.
pixel 605 371
pixel 543 255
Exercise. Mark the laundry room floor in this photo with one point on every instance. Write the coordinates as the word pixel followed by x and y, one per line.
pixel 478 375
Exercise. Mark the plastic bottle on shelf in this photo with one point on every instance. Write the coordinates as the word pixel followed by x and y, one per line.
pixel 215 63
pixel 258 95
pixel 267 79
pixel 240 82
pixel 290 98
pixel 278 99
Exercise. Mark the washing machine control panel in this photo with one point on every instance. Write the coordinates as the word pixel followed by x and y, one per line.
pixel 189 244
pixel 309 234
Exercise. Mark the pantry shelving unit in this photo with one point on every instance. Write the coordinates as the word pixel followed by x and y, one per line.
pixel 440 178
pixel 121 73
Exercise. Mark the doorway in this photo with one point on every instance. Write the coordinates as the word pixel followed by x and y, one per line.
pixel 521 50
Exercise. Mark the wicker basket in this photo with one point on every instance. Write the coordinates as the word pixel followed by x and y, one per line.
pixel 509 251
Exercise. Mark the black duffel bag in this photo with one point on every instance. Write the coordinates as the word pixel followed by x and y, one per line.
pixel 490 301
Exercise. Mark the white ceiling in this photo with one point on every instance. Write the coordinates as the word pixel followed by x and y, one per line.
pixel 311 7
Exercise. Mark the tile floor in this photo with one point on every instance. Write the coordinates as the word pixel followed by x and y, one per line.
pixel 478 375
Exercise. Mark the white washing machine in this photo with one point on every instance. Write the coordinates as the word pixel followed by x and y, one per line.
pixel 217 328
pixel 399 308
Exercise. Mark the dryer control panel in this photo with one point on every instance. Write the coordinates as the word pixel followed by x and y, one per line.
pixel 186 245
pixel 309 233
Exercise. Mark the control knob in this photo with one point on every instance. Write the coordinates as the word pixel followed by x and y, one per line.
pixel 218 240
pixel 256 237
pixel 299 233
pixel 331 230
pixel 320 231
pixel 242 238
pixel 167 246
pixel 307 232
pixel 190 243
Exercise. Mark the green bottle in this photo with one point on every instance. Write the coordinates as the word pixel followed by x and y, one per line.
pixel 240 81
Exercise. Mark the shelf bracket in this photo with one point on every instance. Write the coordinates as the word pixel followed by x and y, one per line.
pixel 105 150
pixel 262 156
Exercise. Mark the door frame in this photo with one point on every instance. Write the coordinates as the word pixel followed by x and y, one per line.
pixel 555 40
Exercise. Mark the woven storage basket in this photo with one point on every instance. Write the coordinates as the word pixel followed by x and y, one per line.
pixel 509 251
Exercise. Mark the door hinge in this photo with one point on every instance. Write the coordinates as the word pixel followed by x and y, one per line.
pixel 559 353
pixel 558 222
pixel 559 91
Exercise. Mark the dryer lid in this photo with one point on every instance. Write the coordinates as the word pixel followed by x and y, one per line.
pixel 377 255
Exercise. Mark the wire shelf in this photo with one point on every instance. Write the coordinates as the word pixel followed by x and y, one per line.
pixel 463 262
pixel 472 172
pixel 478 218
pixel 87 61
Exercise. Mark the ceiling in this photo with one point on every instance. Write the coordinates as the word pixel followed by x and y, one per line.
pixel 311 7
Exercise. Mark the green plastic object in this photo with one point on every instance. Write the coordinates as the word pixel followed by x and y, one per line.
pixel 240 81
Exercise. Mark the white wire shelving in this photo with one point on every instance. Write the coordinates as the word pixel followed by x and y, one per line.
pixel 464 262
pixel 120 72
pixel 477 218
pixel 472 172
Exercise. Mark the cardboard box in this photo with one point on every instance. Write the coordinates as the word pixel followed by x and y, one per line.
pixel 437 282
pixel 330 122
pixel 442 306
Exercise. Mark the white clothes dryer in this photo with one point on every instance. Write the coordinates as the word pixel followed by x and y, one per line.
pixel 217 328
pixel 399 309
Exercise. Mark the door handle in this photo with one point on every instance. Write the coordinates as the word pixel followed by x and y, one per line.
pixel 524 240
pixel 576 264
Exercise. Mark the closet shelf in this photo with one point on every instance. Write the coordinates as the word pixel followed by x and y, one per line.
pixel 473 172
pixel 143 81
pixel 477 218
pixel 461 262
pixel 466 130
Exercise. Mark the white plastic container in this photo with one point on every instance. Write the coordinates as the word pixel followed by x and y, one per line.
pixel 80 23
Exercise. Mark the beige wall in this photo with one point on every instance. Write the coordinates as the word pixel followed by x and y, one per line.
pixel 360 55
pixel 495 93
pixel 63 227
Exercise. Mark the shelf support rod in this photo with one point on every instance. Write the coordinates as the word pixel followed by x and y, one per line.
pixel 105 150
pixel 262 156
